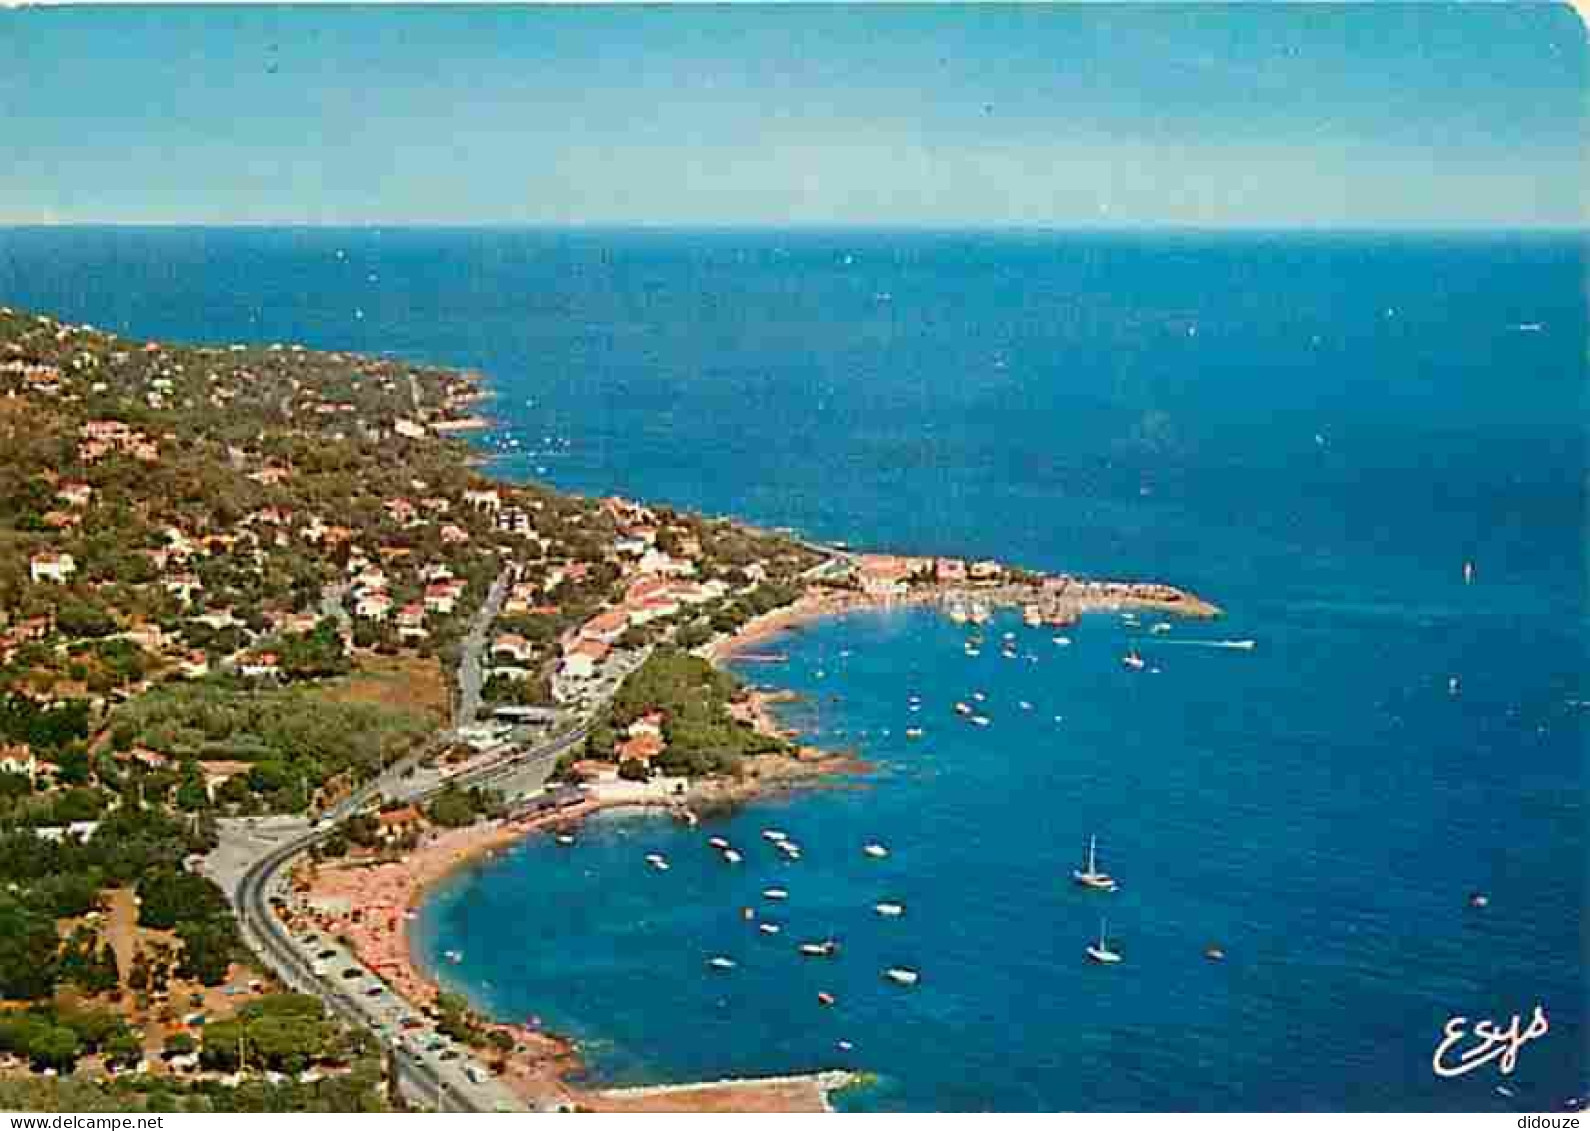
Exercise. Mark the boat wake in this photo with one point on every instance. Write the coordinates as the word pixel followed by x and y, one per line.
pixel 1239 645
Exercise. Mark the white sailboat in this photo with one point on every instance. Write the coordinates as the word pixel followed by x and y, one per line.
pixel 1100 951
pixel 1089 875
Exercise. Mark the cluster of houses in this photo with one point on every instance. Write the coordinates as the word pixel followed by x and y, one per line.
pixel 102 437
pixel 886 577
pixel 642 743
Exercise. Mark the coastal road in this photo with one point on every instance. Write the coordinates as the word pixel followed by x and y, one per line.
pixel 448 1083
pixel 444 1083
pixel 471 671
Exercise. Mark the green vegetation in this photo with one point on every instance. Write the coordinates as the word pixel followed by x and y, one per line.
pixel 283 1032
pixel 455 808
pixel 360 1090
pixel 197 910
pixel 693 698
pixel 171 519
pixel 295 739
pixel 52 1037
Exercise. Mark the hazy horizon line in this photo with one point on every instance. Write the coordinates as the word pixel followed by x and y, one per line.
pixel 1497 228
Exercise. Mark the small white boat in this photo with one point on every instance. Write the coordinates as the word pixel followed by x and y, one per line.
pixel 889 910
pixel 913 732
pixel 972 651
pixel 825 998
pixel 731 857
pixel 1063 641
pixel 718 842
pixel 902 975
pixel 825 949
pixel 774 835
pixel 1024 705
pixel 1133 661
pixel 843 1046
pixel 774 893
pixel 657 861
pixel 768 928
pixel 1100 951
pixel 453 956
pixel 963 709
pixel 565 839
pixel 979 696
pixel 875 850
pixel 981 720
pixel 1089 875
pixel 721 963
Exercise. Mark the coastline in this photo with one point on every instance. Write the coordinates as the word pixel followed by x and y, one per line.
pixel 383 897
pixel 386 895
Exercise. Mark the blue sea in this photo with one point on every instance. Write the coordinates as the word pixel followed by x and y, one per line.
pixel 1314 431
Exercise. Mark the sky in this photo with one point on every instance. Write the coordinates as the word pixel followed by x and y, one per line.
pixel 1244 116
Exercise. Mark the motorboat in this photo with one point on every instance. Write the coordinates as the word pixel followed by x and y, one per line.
pixel 825 949
pixel 875 850
pixel 775 894
pixel 902 975
pixel 889 910
pixel 721 963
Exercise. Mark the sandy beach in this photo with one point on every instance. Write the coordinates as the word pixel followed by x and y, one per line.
pixel 373 900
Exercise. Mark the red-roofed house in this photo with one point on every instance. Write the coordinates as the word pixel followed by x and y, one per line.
pixel 582 660
pixel 642 748
pixel 649 723
pixel 512 646
pixel 606 627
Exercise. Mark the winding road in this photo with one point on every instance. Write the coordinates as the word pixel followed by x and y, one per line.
pixel 450 1084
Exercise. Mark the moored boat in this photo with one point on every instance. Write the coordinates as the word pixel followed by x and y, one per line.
pixel 1089 875
pixel 1100 951
pixel 902 975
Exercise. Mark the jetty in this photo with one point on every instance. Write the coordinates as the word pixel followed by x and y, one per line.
pixel 803 1093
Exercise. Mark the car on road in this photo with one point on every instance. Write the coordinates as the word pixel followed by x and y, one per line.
pixel 450 1054
pixel 350 972
pixel 374 991
pixel 327 953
